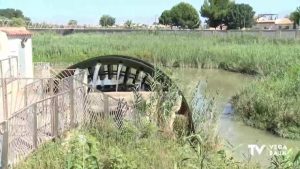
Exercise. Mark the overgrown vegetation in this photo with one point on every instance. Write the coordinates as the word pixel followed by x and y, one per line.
pixel 242 54
pixel 274 95
pixel 143 142
pixel 272 103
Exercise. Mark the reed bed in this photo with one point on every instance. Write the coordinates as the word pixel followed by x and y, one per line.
pixel 271 103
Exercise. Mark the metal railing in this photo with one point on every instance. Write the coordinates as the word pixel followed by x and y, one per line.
pixel 17 93
pixel 74 104
pixel 9 67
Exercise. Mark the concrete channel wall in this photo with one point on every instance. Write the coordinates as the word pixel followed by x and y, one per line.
pixel 284 34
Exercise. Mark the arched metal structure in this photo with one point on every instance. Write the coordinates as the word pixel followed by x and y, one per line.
pixel 122 73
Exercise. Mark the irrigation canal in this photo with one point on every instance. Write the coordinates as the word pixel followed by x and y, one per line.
pixel 223 85
pixel 227 84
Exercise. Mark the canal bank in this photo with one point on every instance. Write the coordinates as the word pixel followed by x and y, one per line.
pixel 223 85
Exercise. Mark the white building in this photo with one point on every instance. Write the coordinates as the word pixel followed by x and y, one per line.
pixel 15 42
pixel 15 61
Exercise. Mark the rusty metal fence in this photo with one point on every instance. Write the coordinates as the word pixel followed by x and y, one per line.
pixel 64 103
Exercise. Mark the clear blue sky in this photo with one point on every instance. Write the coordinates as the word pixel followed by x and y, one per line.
pixel 141 11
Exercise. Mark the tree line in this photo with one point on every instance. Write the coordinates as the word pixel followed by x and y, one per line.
pixel 217 13
pixel 13 17
pixel 183 15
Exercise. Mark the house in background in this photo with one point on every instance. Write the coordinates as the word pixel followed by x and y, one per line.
pixel 272 22
pixel 284 23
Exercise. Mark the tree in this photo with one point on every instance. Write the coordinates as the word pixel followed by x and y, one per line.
pixel 107 20
pixel 182 15
pixel 216 11
pixel 185 15
pixel 128 23
pixel 13 17
pixel 295 16
pixel 240 15
pixel 11 13
pixel 17 22
pixel 72 23
pixel 4 21
pixel 166 18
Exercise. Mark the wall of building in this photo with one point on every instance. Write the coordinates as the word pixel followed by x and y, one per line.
pixel 285 27
pixel 24 54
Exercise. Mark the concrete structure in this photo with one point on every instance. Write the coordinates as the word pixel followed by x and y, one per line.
pixel 284 23
pixel 269 22
pixel 15 61
pixel 17 42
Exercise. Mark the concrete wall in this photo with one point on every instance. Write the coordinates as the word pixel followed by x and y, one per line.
pixel 24 54
pixel 291 34
pixel 18 66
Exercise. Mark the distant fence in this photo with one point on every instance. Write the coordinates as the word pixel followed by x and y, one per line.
pixel 286 34
pixel 74 105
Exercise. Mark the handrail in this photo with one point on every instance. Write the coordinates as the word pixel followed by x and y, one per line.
pixel 35 103
pixel 9 57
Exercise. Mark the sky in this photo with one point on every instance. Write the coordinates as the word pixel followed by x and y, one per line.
pixel 139 11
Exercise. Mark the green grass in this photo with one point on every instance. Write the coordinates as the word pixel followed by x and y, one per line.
pixel 248 54
pixel 268 104
pixel 142 143
pixel 111 148
pixel 273 104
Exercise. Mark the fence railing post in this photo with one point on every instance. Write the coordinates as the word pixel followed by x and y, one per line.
pixel 72 120
pixel 4 156
pixel 9 65
pixel 34 130
pixel 1 71
pixel 25 96
pixel 4 99
pixel 54 116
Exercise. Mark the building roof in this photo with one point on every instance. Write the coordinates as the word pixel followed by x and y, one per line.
pixel 283 21
pixel 15 31
pixel 265 21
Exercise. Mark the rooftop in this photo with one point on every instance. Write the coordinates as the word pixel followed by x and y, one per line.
pixel 283 21
pixel 15 31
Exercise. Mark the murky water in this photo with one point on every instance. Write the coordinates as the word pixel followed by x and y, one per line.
pixel 223 85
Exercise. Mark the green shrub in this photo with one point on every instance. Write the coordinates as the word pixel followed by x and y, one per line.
pixel 272 103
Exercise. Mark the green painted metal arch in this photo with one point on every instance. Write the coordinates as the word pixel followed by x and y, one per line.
pixel 138 64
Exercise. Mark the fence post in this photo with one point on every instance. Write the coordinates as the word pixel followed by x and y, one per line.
pixel 4 156
pixel 9 63
pixel 54 116
pixel 25 96
pixel 51 87
pixel 34 126
pixel 1 74
pixel 4 99
pixel 105 100
pixel 72 120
